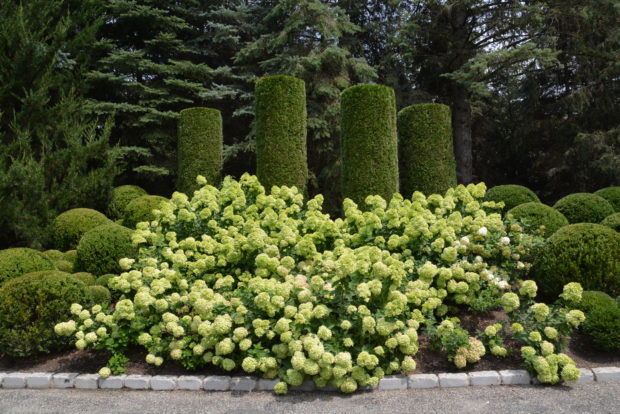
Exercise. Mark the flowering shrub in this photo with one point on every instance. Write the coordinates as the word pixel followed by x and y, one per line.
pixel 238 278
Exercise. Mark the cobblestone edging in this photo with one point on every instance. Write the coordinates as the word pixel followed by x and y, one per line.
pixel 47 380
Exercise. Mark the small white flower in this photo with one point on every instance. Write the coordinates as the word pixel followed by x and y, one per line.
pixel 520 265
pixel 505 240
pixel 465 239
pixel 502 284
pixel 482 231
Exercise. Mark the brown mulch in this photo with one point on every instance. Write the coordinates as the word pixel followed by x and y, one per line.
pixel 88 361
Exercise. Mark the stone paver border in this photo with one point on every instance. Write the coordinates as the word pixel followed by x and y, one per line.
pixel 47 380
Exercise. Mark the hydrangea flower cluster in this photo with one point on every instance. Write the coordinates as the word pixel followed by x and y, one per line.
pixel 239 278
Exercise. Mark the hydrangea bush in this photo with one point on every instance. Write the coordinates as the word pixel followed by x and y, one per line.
pixel 239 278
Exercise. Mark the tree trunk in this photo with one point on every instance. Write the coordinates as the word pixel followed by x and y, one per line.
pixel 461 131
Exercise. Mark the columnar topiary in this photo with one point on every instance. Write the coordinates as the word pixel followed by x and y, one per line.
pixel 611 194
pixel 511 194
pixel 19 261
pixel 281 156
pixel 586 253
pixel 69 227
pixel 141 209
pixel 31 305
pixel 101 248
pixel 369 142
pixel 584 208
pixel 121 196
pixel 612 221
pixel 426 154
pixel 536 214
pixel 200 142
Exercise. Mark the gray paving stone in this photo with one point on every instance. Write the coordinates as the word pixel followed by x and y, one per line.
pixel 39 380
pixel 393 382
pixel 265 384
pixel 216 383
pixel 163 382
pixel 423 381
pixel 86 381
pixel 189 382
pixel 137 382
pixel 606 373
pixel 64 379
pixel 242 384
pixel 586 376
pixel 447 380
pixel 113 382
pixel 515 377
pixel 307 386
pixel 14 380
pixel 482 378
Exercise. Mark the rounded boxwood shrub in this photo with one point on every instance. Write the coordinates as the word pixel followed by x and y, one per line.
pixel 511 194
pixel 69 227
pixel 71 256
pixel 141 209
pixel 85 277
pixel 100 294
pixel 281 155
pixel 54 255
pixel 121 196
pixel 426 153
pixel 369 142
pixel 591 299
pixel 584 208
pixel 585 253
pixel 31 305
pixel 602 324
pixel 19 261
pixel 101 248
pixel 200 144
pixel 104 279
pixel 535 214
pixel 611 194
pixel 64 266
pixel 612 221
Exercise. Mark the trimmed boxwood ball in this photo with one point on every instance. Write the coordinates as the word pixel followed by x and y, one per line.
pixel 281 155
pixel 141 209
pixel 585 253
pixel 602 324
pixel 71 256
pixel 100 294
pixel 54 255
pixel 19 261
pixel 535 214
pixel 200 143
pixel 121 196
pixel 30 307
pixel 64 266
pixel 104 279
pixel 369 142
pixel 426 154
pixel 101 248
pixel 69 227
pixel 85 277
pixel 611 194
pixel 511 194
pixel 584 208
pixel 613 221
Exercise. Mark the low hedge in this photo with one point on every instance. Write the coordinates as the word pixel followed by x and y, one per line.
pixel 69 227
pixel 141 209
pixel 612 221
pixel 20 260
pixel 101 248
pixel 511 194
pixel 611 194
pixel 121 196
pixel 602 324
pixel 584 208
pixel 534 215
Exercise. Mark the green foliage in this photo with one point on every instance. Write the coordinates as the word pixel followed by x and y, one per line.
pixel 200 140
pixel 141 209
pixel 602 324
pixel 369 142
pixel 511 195
pixel 71 256
pixel 535 214
pixel 100 249
pixel 68 228
pixel 612 221
pixel 281 156
pixel 592 299
pixel 426 157
pixel 85 277
pixel 611 194
pixel 100 294
pixel 19 261
pixel 103 279
pixel 585 253
pixel 31 305
pixel 54 255
pixel 121 196
pixel 64 266
pixel 584 208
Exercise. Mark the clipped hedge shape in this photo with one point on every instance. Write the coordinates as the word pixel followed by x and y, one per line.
pixel 85 277
pixel 585 253
pixel 535 214
pixel 200 143
pixel 69 227
pixel 121 196
pixel 584 208
pixel 19 261
pixel 54 255
pixel 141 209
pixel 31 305
pixel 104 279
pixel 602 324
pixel 64 266
pixel 101 248
pixel 369 142
pixel 612 221
pixel 71 256
pixel 511 194
pixel 611 194
pixel 426 153
pixel 100 294
pixel 281 154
